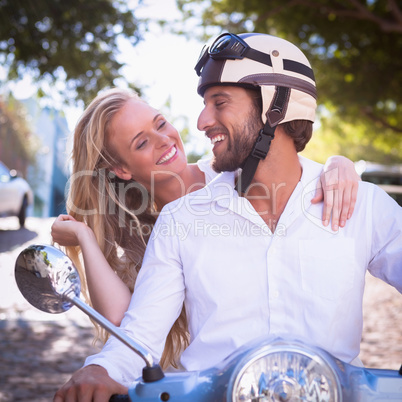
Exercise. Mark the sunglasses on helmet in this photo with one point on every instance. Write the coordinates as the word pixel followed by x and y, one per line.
pixel 232 47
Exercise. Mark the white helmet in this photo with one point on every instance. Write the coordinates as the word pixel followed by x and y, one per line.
pixel 278 67
pixel 263 61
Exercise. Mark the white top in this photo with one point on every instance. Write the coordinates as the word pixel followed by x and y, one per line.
pixel 204 165
pixel 239 281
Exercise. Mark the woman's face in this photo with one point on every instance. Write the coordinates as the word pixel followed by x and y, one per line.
pixel 149 146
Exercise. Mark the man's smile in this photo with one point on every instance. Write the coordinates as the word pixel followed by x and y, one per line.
pixel 217 138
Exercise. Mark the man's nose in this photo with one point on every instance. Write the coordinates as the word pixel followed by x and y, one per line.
pixel 205 119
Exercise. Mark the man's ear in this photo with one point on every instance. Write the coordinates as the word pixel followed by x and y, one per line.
pixel 122 173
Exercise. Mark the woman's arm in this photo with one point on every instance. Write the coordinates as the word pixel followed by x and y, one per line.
pixel 339 185
pixel 109 294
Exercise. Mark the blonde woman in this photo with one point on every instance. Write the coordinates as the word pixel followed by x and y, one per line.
pixel 128 162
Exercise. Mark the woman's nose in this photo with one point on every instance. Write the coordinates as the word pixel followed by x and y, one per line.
pixel 162 140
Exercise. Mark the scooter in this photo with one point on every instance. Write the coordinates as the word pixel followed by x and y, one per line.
pixel 269 369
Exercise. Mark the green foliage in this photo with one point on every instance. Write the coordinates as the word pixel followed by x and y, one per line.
pixel 75 40
pixel 354 46
pixel 356 140
pixel 16 136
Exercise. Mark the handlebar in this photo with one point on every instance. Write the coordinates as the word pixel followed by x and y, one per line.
pixel 119 398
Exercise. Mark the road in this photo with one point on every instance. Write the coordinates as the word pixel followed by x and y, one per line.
pixel 39 351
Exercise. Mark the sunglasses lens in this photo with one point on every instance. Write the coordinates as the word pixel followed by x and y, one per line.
pixel 226 46
pixel 201 60
pixel 220 44
pixel 203 51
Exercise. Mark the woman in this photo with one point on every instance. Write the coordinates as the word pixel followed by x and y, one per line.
pixel 128 162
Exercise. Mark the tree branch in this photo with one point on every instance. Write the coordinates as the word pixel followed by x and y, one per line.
pixel 360 12
pixel 393 6
pixel 277 10
pixel 369 113
pixel 363 13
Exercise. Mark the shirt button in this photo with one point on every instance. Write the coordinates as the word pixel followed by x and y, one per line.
pixel 275 294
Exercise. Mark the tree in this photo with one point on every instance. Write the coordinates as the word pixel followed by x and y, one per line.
pixel 339 136
pixel 75 40
pixel 16 136
pixel 355 48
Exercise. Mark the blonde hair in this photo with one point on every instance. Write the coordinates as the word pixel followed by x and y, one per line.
pixel 95 197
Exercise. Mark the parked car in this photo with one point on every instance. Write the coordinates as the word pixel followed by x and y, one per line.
pixel 15 194
pixel 388 177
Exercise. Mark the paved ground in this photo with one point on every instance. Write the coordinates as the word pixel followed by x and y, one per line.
pixel 39 351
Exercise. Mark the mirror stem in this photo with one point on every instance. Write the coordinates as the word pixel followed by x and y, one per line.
pixel 118 333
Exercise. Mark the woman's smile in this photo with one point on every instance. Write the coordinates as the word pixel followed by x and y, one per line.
pixel 168 156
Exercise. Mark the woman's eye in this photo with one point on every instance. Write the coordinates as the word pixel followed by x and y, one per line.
pixel 141 144
pixel 161 125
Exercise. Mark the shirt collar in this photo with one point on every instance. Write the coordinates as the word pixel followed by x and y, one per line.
pixel 221 188
pixel 310 175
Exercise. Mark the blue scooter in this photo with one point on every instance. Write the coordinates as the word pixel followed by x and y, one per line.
pixel 269 369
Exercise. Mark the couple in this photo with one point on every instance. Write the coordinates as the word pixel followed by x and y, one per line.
pixel 256 261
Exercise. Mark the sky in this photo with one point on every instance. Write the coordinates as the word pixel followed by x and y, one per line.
pixel 162 64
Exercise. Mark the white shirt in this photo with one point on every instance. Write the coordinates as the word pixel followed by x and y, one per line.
pixel 239 281
pixel 205 166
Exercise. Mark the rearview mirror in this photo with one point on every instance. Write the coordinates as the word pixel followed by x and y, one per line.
pixel 47 278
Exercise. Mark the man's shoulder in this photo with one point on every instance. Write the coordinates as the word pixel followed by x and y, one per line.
pixel 309 165
pixel 311 170
pixel 374 192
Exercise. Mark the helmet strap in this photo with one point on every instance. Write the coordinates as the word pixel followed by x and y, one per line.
pixel 260 151
pixel 275 114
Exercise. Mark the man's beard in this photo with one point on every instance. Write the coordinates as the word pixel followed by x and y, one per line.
pixel 240 145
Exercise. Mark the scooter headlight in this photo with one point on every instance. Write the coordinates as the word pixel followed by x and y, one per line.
pixel 286 372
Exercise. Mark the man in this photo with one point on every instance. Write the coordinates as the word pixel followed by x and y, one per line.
pixel 256 260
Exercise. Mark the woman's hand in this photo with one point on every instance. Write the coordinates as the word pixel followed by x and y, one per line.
pixel 338 188
pixel 103 283
pixel 66 229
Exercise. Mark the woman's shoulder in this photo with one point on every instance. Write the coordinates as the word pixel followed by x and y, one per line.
pixel 205 165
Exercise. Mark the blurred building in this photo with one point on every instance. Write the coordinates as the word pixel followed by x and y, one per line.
pixel 48 177
pixel 15 149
